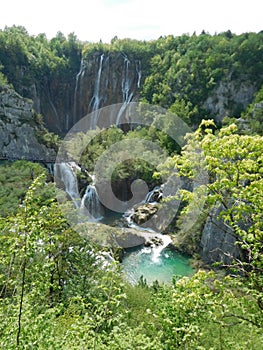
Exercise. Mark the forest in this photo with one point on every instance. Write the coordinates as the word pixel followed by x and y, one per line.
pixel 58 290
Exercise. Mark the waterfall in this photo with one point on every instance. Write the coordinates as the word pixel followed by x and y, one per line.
pixel 77 87
pixel 126 85
pixel 153 196
pixel 91 202
pixel 156 251
pixel 96 99
pixel 139 73
pixel 65 172
pixel 107 71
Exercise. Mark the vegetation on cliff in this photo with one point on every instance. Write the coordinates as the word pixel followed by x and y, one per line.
pixel 212 75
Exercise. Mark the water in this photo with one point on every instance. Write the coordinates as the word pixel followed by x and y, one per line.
pixel 65 172
pixel 91 202
pixel 126 87
pixel 144 262
pixel 96 99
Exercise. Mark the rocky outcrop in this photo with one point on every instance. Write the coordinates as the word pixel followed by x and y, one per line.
pixel 218 240
pixel 124 238
pixel 229 98
pixel 19 129
pixel 109 236
pixel 144 212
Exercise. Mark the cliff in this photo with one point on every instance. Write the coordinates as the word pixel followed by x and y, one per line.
pixel 20 131
pixel 218 242
pixel 103 79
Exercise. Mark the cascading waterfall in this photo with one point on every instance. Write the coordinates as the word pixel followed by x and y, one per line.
pixel 79 76
pixel 90 203
pixel 89 206
pixel 95 101
pixel 126 86
pixel 154 195
pixel 65 172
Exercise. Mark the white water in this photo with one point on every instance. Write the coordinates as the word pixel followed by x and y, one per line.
pixel 65 171
pixel 150 197
pixel 156 251
pixel 126 87
pixel 95 101
pixel 90 203
pixel 77 87
pixel 139 73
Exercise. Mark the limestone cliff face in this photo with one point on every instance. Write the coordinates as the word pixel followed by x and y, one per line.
pixel 106 78
pixel 229 97
pixel 218 241
pixel 103 79
pixel 19 129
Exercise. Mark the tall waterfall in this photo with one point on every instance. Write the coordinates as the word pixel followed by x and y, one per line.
pixel 104 79
pixel 96 99
pixel 78 92
pixel 65 172
pixel 90 203
pixel 126 87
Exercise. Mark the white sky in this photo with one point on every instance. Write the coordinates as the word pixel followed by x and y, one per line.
pixel 92 20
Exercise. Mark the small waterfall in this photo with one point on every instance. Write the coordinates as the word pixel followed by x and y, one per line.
pixel 77 88
pixel 156 251
pixel 65 172
pixel 96 99
pixel 126 87
pixel 153 196
pixel 91 203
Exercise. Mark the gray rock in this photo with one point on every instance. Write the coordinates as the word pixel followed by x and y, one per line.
pixel 218 240
pixel 18 129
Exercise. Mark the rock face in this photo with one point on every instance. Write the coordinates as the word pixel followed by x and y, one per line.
pixel 218 241
pixel 19 129
pixel 229 97
pixel 103 79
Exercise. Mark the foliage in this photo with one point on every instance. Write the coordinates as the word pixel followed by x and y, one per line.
pixel 15 178
pixel 58 292
pixel 227 167
pixel 190 67
pixel 254 115
pixel 28 60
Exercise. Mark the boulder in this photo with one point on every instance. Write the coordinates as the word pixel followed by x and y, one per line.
pixel 144 212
